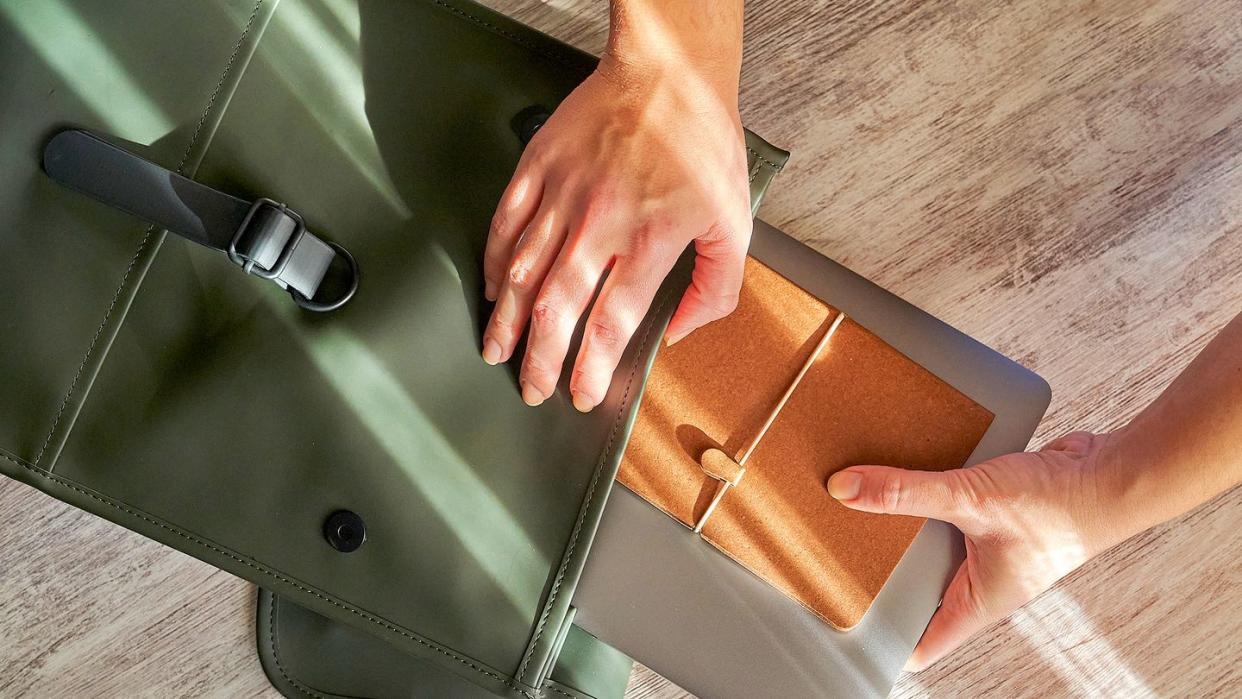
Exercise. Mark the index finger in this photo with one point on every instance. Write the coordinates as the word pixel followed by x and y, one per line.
pixel 514 212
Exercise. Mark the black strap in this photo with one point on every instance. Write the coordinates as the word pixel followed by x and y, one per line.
pixel 265 237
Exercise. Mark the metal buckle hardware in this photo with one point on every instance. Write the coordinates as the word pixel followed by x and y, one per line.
pixel 249 265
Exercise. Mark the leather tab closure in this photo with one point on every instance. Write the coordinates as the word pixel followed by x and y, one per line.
pixel 718 465
pixel 265 238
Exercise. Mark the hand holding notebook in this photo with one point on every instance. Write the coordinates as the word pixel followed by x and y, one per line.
pixel 1032 518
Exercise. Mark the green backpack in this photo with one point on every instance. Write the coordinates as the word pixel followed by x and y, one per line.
pixel 416 528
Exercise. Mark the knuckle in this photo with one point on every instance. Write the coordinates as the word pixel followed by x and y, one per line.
pixel 726 303
pixel 890 493
pixel 500 223
pixel 545 316
pixel 975 501
pixel 582 380
pixel 538 370
pixel 522 276
pixel 503 326
pixel 535 156
pixel 648 239
pixel 605 334
pixel 965 498
pixel 718 304
pixel 534 366
pixel 743 225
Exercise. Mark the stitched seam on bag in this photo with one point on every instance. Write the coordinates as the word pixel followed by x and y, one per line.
pixel 271 638
pixel 142 246
pixel 549 684
pixel 573 543
pixel 90 349
pixel 765 161
pixel 503 32
pixel 258 567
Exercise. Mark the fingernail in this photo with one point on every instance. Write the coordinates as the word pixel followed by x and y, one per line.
pixel 670 340
pixel 531 395
pixel 491 351
pixel 844 485
pixel 583 403
pixel 489 290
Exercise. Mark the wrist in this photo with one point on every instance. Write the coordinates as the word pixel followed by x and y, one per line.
pixel 691 45
pixel 1124 498
pixel 638 70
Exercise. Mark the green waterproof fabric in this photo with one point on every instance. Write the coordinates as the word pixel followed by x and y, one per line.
pixel 156 385
pixel 307 654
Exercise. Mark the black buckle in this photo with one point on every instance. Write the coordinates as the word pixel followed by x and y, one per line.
pixel 249 265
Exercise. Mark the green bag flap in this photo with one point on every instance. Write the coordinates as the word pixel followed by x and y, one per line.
pixel 591 667
pixel 151 73
pixel 229 424
pixel 307 654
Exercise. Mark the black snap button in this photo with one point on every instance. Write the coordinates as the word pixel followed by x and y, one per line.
pixel 528 122
pixel 345 531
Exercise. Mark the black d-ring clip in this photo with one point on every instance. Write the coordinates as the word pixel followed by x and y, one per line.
pixel 325 306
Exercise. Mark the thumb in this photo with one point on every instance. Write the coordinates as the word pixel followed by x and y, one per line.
pixel 896 491
pixel 715 283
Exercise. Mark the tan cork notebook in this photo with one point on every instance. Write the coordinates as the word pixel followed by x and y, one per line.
pixel 860 402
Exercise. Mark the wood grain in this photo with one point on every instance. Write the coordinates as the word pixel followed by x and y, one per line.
pixel 1060 179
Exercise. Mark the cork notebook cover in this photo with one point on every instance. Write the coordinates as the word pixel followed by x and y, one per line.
pixel 860 402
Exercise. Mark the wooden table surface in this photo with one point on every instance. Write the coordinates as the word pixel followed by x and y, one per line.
pixel 1060 179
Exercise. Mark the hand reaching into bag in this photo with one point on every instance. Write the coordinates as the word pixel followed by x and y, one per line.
pixel 1031 518
pixel 645 157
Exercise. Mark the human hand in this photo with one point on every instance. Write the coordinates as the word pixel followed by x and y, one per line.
pixel 1028 518
pixel 639 161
